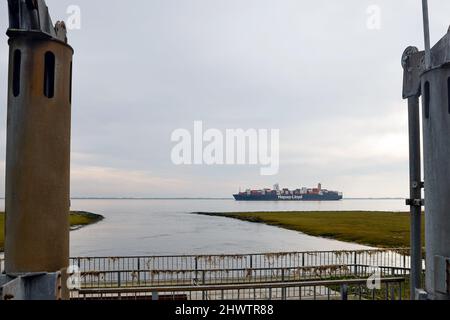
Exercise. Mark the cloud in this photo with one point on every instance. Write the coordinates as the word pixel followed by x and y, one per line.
pixel 103 181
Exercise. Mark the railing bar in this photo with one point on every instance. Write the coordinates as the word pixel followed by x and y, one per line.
pixel 234 255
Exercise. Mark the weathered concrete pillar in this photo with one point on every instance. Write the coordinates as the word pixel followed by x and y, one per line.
pixel 428 74
pixel 436 128
pixel 38 145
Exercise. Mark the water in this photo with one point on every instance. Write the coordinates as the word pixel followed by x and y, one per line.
pixel 167 227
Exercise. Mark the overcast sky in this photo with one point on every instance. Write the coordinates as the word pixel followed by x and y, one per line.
pixel 312 69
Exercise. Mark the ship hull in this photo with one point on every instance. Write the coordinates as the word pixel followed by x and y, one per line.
pixel 274 197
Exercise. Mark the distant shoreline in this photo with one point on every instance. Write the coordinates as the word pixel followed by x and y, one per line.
pixel 371 228
pixel 81 219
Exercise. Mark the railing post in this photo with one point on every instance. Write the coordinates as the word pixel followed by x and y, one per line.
pixel 196 268
pixel 404 264
pixel 344 292
pixel 83 279
pixel 355 268
pixel 203 283
pixel 387 291
pixel 283 289
pixel 139 271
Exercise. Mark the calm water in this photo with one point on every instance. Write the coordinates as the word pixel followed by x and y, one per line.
pixel 160 227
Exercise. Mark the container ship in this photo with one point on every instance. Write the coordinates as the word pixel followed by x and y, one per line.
pixel 277 194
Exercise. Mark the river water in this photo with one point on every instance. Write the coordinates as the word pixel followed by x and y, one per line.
pixel 168 227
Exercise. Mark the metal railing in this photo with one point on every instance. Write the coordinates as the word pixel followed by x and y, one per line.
pixel 130 278
pixel 103 272
pixel 356 289
pixel 388 257
pixel 292 275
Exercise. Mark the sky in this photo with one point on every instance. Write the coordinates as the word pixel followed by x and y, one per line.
pixel 319 71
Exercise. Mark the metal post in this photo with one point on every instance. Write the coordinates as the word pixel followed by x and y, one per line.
pixel 413 67
pixel 139 271
pixel 283 289
pixel 203 284
pixel 196 270
pixel 426 30
pixel 344 292
pixel 415 193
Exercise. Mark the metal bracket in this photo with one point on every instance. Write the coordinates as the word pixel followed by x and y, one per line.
pixel 420 185
pixel 413 65
pixel 415 202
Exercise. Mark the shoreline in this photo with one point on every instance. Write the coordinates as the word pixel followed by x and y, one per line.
pixel 81 219
pixel 380 229
pixel 78 220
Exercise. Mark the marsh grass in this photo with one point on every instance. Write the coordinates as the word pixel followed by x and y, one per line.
pixel 77 219
pixel 373 228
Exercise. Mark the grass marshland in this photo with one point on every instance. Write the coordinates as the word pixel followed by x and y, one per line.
pixel 377 229
pixel 78 219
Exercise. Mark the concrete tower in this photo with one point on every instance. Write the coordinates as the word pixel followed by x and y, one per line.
pixel 38 141
pixel 435 88
pixel 427 74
